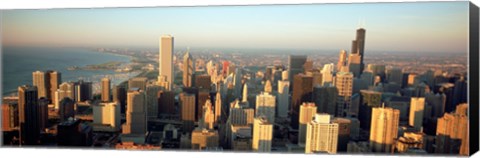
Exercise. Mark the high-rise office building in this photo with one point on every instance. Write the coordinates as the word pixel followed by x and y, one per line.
pixel 355 64
pixel 394 75
pixel 138 82
pixel 241 113
pixel 136 123
pixel 327 74
pixel 245 93
pixel 152 100
pixel 268 86
pixel 188 70
pixel 208 118
pixel 28 115
pixel 344 84
pixel 295 63
pixel 166 60
pixel 262 135
pixel 55 78
pixel 325 97
pixel 166 102
pixel 437 102
pixel 187 106
pixel 368 100
pixel 344 125
pixel 283 98
pixel 302 92
pixel 417 106
pixel 377 70
pixel 342 61
pixel 218 107
pixel 322 135
pixel 41 81
pixel 265 106
pixel 452 134
pixel 74 133
pixel 307 113
pixel 66 109
pixel 358 46
pixel 120 96
pixel 9 114
pixel 202 97
pixel 83 91
pixel 105 89
pixel 384 129
pixel 106 116
pixel 237 82
pixel 43 113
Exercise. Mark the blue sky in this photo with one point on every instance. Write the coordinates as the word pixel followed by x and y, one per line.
pixel 422 27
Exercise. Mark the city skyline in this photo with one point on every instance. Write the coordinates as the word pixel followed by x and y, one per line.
pixel 273 26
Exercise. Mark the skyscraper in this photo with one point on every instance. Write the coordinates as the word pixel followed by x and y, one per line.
pixel 55 78
pixel 40 81
pixel 327 74
pixel 136 115
pixel 283 98
pixel 43 113
pixel 208 118
pixel 322 135
pixel 188 69
pixel 417 106
pixel 384 129
pixel 218 108
pixel 302 92
pixel 344 125
pixel 9 114
pixel 295 63
pixel 342 60
pixel 265 106
pixel 28 115
pixel 325 97
pixel 166 102
pixel 203 81
pixel 268 86
pixel 204 138
pixel 152 100
pixel 105 89
pixel 166 59
pixel 358 45
pixel 66 109
pixel 452 134
pixel 241 113
pixel 120 96
pixel 262 135
pixel 187 106
pixel 307 113
pixel 106 114
pixel 344 84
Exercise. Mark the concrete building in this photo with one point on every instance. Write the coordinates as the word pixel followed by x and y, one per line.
pixel 165 61
pixel 188 70
pixel 106 116
pixel 265 106
pixel 262 135
pixel 136 125
pixel 105 89
pixel 203 138
pixel 452 134
pixel 322 135
pixel 384 129
pixel 28 112
pixel 344 84
pixel 417 106
pixel 307 113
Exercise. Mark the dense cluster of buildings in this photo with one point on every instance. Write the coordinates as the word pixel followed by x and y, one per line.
pixel 347 107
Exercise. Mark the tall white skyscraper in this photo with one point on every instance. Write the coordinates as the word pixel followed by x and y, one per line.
pixel 322 135
pixel 265 106
pixel 166 59
pixel 262 135
pixel 327 73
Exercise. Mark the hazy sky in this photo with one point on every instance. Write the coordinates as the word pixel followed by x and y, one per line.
pixel 423 27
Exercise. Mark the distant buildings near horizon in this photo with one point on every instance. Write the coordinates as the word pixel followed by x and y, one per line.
pixel 348 107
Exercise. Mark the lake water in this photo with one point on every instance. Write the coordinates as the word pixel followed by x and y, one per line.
pixel 19 63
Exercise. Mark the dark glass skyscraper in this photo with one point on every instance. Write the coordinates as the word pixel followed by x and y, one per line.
pixel 28 115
